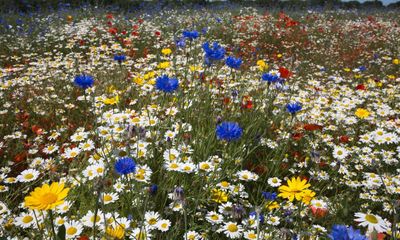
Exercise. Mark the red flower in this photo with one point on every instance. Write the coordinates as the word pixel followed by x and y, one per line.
pixel 226 100
pixel 37 130
pixel 361 87
pixel 318 212
pixel 344 139
pixel 297 136
pixel 83 237
pixel 312 127
pixel 285 73
pixel 113 31
pixel 157 33
pixel 109 16
pixel 20 157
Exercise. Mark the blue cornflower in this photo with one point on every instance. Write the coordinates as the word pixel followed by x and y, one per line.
pixel 119 58
pixel 84 81
pixel 341 232
pixel 233 62
pixel 180 43
pixel 229 131
pixel 166 84
pixel 214 53
pixel 125 165
pixel 270 78
pixel 293 108
pixel 191 35
pixel 362 68
pixel 261 216
pixel 269 196
pixel 153 189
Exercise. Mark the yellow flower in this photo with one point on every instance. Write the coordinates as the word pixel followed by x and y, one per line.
pixel 362 113
pixel 347 69
pixel 138 81
pixel 396 61
pixel 163 65
pixel 111 89
pixel 262 65
pixel 111 101
pixel 294 189
pixel 195 68
pixel 279 55
pixel 308 195
pixel 391 77
pixel 166 51
pixel 117 232
pixel 219 196
pixel 47 197
pixel 271 205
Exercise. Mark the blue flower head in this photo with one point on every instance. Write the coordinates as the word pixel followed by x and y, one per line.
pixel 214 53
pixel 191 35
pixel 293 108
pixel 153 189
pixel 125 165
pixel 84 81
pixel 166 84
pixel 270 78
pixel 269 196
pixel 229 131
pixel 180 43
pixel 233 62
pixel 341 232
pixel 261 216
pixel 119 58
pixel 362 68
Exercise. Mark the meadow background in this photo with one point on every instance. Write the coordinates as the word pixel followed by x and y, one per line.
pixel 172 120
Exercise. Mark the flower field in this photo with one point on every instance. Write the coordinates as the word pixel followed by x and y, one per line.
pixel 192 123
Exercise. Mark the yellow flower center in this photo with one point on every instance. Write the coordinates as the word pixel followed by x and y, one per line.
pixel 27 219
pixel 97 219
pixel 232 228
pixel 214 217
pixel 252 236
pixel 225 184
pixel 71 230
pixel 371 218
pixel 107 198
pixel 152 221
pixel 28 176
pixel 48 198
pixel 164 225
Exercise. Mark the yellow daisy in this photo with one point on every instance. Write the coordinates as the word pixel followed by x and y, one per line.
pixel 47 197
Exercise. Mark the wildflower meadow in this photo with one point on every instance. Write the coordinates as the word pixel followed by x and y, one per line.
pixel 199 122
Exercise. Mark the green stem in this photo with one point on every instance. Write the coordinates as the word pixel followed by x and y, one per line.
pixel 52 224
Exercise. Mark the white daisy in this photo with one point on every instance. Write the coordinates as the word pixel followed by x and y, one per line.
pixel 231 230
pixel 28 175
pixel 373 222
pixel 274 182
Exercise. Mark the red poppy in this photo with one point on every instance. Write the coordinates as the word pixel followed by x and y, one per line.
pixel 312 127
pixel 297 136
pixel 157 33
pixel 20 157
pixel 344 139
pixel 318 212
pixel 113 31
pixel 361 87
pixel 37 130
pixel 285 73
pixel 109 16
pixel 83 237
pixel 226 100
